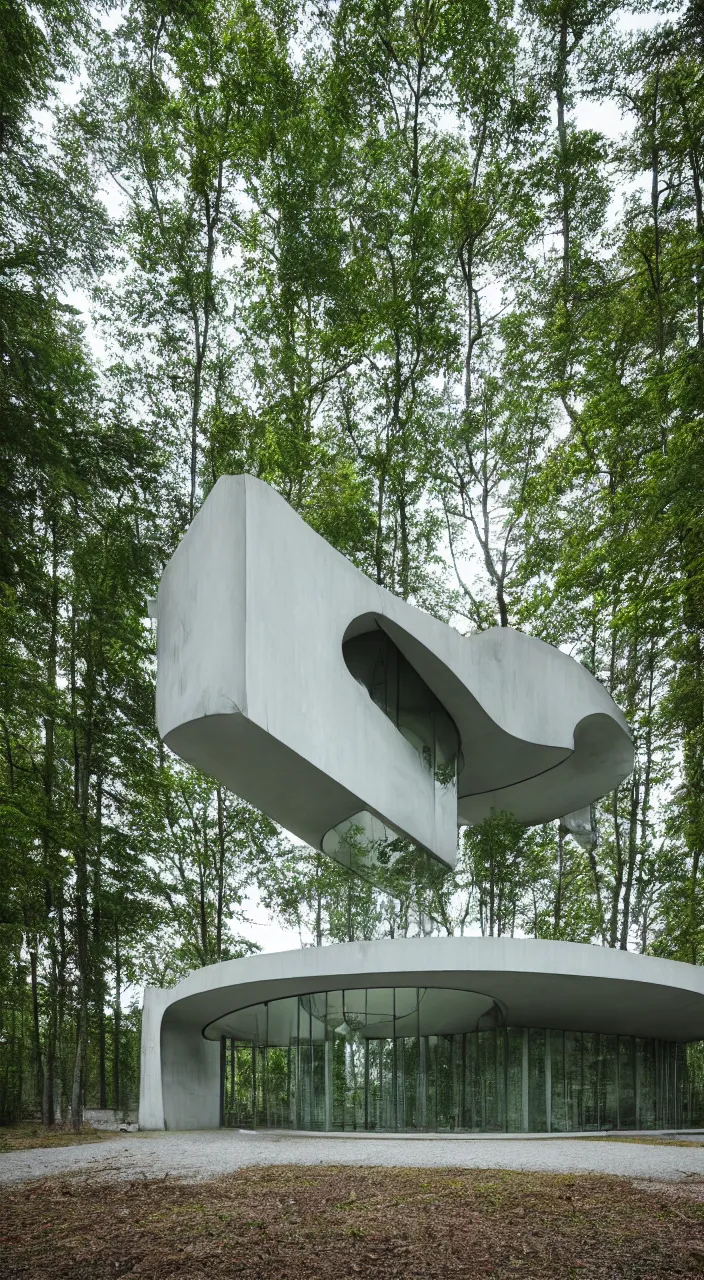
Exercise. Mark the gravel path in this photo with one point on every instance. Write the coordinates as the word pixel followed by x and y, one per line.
pixel 207 1154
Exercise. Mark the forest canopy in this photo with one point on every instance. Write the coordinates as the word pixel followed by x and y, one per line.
pixel 434 269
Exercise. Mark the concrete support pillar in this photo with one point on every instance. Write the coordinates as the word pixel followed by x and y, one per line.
pixel 151 1101
pixel 180 1071
pixel 190 1068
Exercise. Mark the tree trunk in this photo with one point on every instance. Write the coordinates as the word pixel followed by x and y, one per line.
pixel 48 1112
pixel 98 958
pixel 117 1015
pixel 618 873
pixel 36 1029
pixel 557 915
pixel 77 1080
pixel 561 101
pixel 220 872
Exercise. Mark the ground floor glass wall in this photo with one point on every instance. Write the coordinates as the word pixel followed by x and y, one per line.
pixel 331 1071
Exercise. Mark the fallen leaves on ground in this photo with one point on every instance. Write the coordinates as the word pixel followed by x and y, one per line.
pixel 30 1136
pixel 323 1223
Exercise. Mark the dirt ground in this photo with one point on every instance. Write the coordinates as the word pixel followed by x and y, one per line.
pixel 326 1223
pixel 31 1135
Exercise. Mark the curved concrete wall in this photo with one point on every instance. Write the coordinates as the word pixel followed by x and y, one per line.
pixel 562 985
pixel 252 687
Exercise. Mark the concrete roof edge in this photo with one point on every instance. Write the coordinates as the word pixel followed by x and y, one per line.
pixel 541 956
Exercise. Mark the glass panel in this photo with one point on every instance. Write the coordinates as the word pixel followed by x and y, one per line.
pixel 354 1084
pixel 558 1116
pixel 278 1083
pixel 397 689
pixel 388 1092
pixel 660 1070
pixel 444 1115
pixel 238 1109
pixel 457 1069
pixel 408 1048
pixel 339 1080
pixel 472 1105
pixel 514 1079
pixel 318 1081
pixel 537 1110
pixel 590 1080
pixel 668 1085
pixel 694 1054
pixel 374 1083
pixel 626 1082
pixel 608 1083
pixel 362 842
pixel 574 1120
pixel 305 1069
pixel 368 1059
pixel 645 1084
pixel 490 1085
pixel 431 1081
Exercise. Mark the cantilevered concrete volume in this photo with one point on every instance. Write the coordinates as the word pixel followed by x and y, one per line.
pixel 351 717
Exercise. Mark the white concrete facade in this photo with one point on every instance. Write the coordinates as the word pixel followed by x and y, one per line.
pixel 538 983
pixel 253 688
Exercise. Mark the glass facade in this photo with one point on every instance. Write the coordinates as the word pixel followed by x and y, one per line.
pixel 366 1060
pixel 397 689
pixel 362 842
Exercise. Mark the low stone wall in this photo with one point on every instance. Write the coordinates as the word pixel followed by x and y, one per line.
pixel 124 1121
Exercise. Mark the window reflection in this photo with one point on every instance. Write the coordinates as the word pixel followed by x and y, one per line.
pixel 363 842
pixel 397 689
pixel 407 1058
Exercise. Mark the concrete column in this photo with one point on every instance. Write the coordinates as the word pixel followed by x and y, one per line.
pixel 190 1068
pixel 151 1103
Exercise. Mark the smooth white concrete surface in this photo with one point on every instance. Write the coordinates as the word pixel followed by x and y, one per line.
pixel 190 1067
pixel 202 1155
pixel 538 983
pixel 252 687
pixel 151 1098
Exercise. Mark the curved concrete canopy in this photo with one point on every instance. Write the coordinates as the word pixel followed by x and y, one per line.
pixel 562 985
pixel 252 687
pixel 426 1011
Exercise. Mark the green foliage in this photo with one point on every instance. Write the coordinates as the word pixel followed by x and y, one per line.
pixel 371 254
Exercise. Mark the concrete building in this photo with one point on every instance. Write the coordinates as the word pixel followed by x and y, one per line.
pixel 484 1034
pixel 364 725
pixel 351 717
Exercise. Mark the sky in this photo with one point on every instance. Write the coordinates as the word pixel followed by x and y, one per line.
pixel 265 930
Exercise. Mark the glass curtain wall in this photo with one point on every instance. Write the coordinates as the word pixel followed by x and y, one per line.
pixel 365 1060
pixel 362 842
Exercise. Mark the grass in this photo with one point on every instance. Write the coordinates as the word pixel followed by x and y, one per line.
pixel 297 1223
pixel 29 1135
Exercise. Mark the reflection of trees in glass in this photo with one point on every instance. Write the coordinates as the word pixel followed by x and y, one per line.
pixel 397 689
pixel 491 1078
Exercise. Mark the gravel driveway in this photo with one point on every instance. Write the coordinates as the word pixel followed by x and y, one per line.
pixel 209 1153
